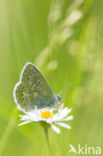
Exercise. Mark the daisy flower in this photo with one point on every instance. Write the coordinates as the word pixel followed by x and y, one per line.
pixel 48 116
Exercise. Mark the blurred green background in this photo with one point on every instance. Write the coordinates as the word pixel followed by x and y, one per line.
pixel 64 39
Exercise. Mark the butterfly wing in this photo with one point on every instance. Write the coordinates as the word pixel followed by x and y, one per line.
pixel 33 90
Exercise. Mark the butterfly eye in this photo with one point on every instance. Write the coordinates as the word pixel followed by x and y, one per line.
pixel 59 97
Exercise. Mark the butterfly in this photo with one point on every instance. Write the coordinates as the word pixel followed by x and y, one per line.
pixel 33 90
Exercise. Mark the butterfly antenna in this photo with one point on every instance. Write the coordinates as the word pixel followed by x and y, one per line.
pixel 64 90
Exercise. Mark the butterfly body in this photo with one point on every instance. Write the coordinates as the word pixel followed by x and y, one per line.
pixel 33 90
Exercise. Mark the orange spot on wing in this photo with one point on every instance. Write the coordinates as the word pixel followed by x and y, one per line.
pixel 20 94
pixel 21 99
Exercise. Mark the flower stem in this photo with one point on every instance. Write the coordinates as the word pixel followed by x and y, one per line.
pixel 47 138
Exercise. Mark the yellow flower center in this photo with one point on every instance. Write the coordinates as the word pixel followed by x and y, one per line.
pixel 46 114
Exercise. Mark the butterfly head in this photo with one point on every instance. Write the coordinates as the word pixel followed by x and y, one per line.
pixel 59 98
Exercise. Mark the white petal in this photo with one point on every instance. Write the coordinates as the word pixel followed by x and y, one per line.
pixel 65 112
pixel 63 125
pixel 24 117
pixel 29 116
pixel 69 110
pixel 23 123
pixel 65 109
pixel 61 116
pixel 56 129
pixel 68 118
pixel 34 115
pixel 49 120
